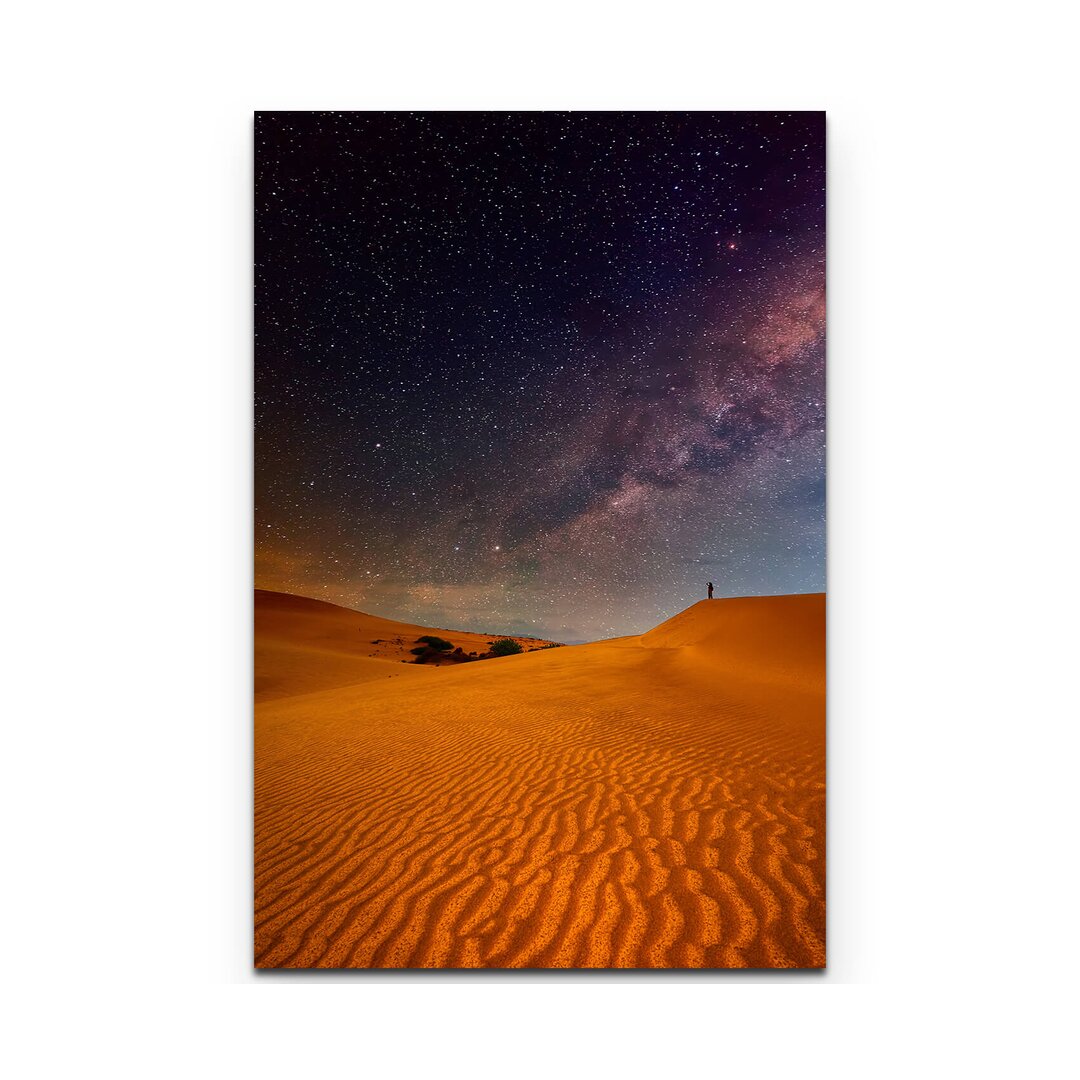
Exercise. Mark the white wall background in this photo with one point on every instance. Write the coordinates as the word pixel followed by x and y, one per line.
pixel 953 588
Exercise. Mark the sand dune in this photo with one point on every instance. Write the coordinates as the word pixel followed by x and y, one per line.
pixel 653 801
pixel 303 645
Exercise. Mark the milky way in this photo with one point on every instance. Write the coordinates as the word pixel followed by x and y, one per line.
pixel 542 373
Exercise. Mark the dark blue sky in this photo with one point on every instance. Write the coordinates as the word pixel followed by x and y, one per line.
pixel 544 373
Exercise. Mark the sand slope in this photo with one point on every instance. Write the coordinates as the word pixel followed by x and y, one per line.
pixel 654 801
pixel 303 645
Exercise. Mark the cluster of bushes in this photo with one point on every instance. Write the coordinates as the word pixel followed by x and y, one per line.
pixel 435 649
pixel 430 647
pixel 437 643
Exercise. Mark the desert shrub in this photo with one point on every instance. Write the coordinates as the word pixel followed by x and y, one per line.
pixel 505 647
pixel 419 652
pixel 435 642
pixel 551 645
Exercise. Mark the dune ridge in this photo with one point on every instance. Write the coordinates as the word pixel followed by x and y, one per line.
pixel 303 645
pixel 653 801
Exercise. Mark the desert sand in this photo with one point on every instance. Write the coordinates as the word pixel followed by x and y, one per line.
pixel 645 802
pixel 303 645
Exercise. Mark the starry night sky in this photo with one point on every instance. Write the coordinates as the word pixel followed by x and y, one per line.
pixel 539 373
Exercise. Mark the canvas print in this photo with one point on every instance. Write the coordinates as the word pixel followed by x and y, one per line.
pixel 539 540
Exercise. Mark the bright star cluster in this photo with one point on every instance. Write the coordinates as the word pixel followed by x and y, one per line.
pixel 539 373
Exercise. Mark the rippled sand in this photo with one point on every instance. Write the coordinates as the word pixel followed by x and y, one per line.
pixel 653 801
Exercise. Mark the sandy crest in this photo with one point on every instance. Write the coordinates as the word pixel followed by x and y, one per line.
pixel 303 645
pixel 653 801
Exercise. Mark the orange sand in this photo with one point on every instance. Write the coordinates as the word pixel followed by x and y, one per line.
pixel 303 645
pixel 653 801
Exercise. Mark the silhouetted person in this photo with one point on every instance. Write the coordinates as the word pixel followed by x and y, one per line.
pixel 710 590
